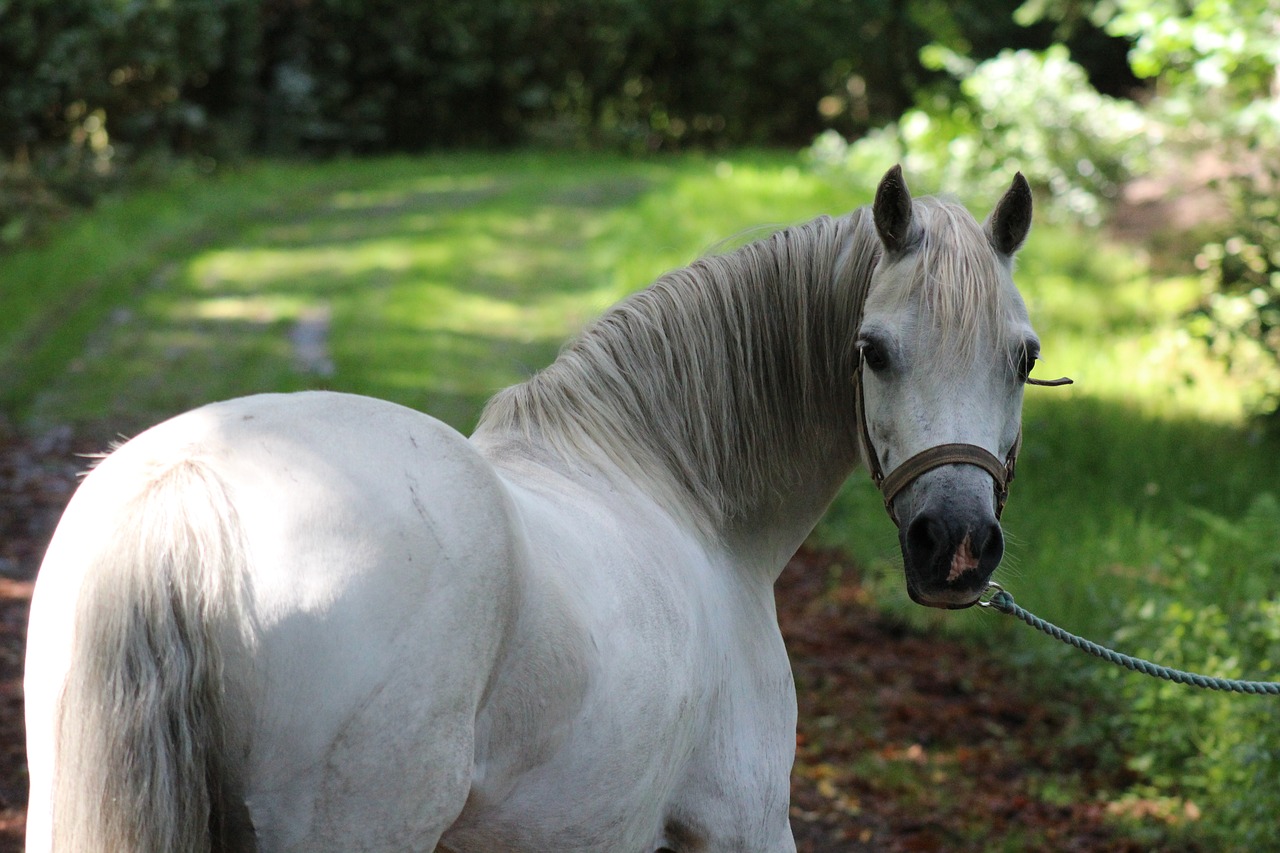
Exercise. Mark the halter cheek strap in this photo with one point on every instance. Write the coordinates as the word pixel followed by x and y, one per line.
pixel 934 457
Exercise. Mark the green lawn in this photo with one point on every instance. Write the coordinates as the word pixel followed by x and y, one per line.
pixel 441 279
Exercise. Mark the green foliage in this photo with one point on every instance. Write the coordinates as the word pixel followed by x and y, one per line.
pixel 89 89
pixel 1033 112
pixel 380 74
pixel 1216 62
pixel 91 92
pixel 1217 66
pixel 1226 50
pixel 1239 317
pixel 1212 606
pixel 71 64
pixel 87 83
pixel 84 78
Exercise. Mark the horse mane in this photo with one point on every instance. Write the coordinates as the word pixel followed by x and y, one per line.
pixel 696 385
pixel 704 386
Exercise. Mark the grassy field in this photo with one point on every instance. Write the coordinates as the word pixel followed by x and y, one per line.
pixel 436 281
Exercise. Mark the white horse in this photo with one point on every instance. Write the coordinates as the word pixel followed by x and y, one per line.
pixel 324 622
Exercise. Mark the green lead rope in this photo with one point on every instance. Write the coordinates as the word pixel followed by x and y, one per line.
pixel 1003 601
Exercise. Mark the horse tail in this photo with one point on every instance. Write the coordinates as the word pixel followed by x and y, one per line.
pixel 144 759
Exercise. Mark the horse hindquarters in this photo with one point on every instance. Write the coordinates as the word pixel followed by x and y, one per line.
pixel 141 758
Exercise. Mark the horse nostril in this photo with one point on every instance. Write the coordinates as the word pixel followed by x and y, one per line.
pixel 926 536
pixel 989 542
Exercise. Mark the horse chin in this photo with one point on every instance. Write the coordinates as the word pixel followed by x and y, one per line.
pixel 944 599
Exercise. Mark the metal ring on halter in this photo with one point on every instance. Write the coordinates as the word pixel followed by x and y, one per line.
pixel 994 589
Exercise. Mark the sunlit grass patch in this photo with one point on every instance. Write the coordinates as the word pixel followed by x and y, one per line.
pixel 443 279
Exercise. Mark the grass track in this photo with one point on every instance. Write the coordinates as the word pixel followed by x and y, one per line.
pixel 442 279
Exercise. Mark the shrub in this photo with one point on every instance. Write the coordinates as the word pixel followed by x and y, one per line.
pixel 1219 752
pixel 89 83
pixel 1027 111
pixel 1239 317
pixel 89 86
pixel 1217 65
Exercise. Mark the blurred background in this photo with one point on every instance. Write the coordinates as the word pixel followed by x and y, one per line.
pixel 422 201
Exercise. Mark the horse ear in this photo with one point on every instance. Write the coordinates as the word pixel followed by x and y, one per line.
pixel 892 212
pixel 1008 224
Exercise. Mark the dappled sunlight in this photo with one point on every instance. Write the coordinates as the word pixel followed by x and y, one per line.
pixel 251 268
pixel 1106 321
pixel 253 309
pixel 413 192
pixel 440 288
pixel 454 310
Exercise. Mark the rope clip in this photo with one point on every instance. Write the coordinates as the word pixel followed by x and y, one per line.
pixel 987 599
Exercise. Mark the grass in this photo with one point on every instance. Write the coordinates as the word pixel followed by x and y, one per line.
pixel 444 279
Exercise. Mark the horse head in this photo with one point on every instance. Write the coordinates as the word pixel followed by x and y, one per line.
pixel 945 348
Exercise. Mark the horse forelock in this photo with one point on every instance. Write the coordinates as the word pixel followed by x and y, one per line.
pixel 962 283
pixel 701 386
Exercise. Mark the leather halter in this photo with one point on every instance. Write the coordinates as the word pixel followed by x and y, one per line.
pixel 935 457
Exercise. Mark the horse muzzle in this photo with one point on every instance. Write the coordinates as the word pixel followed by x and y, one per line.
pixel 952 544
pixel 948 556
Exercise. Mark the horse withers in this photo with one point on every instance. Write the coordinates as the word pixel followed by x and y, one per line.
pixel 324 622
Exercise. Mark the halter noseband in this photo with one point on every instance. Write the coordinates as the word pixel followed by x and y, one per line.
pixel 935 457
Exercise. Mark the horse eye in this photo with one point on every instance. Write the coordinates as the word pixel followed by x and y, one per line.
pixel 872 356
pixel 1026 361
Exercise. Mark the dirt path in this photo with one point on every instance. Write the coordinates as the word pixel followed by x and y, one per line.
pixel 907 741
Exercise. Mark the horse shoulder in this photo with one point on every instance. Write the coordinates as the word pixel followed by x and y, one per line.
pixel 637 655
pixel 736 789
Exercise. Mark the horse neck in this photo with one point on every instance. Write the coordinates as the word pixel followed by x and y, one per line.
pixel 723 390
